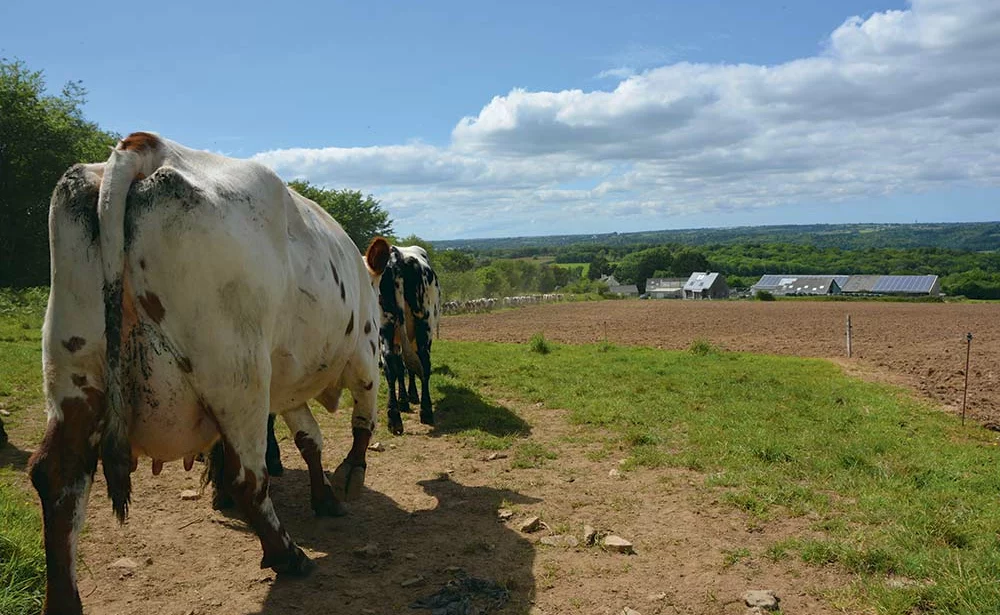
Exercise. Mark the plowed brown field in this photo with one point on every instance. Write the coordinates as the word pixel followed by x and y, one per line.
pixel 919 345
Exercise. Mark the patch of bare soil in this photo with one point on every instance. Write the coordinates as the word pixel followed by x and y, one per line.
pixel 919 345
pixel 431 512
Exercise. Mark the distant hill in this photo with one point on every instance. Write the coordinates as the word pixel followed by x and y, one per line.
pixel 974 236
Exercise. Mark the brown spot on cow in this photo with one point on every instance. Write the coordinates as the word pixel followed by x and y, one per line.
pixel 368 387
pixel 74 343
pixel 79 380
pixel 185 364
pixel 139 142
pixel 140 176
pixel 368 327
pixel 350 325
pixel 153 307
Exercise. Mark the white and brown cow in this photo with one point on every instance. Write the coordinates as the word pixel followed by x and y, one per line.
pixel 410 298
pixel 192 294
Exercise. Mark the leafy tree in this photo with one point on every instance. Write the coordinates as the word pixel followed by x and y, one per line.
pixel 361 216
pixel 455 260
pixel 599 265
pixel 41 136
pixel 637 267
pixel 687 261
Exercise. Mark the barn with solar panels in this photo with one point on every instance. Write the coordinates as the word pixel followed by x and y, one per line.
pixel 859 285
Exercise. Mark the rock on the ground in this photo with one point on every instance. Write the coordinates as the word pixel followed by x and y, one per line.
pixel 378 447
pixel 505 514
pixel 190 494
pixel 531 524
pixel 657 597
pixel 125 563
pixel 617 544
pixel 629 611
pixel 495 456
pixel 614 473
pixel 764 599
pixel 561 540
pixel 4 412
pixel 369 550
pixel 413 582
pixel 589 535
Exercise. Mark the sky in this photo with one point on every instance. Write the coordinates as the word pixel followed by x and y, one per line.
pixel 525 118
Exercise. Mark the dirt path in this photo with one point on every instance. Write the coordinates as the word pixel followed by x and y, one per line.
pixel 193 560
pixel 919 345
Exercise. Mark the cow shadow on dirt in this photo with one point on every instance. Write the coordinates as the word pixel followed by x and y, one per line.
pixel 457 536
pixel 13 457
pixel 460 408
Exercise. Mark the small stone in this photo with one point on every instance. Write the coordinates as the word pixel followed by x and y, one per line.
pixel 531 524
pixel 410 556
pixel 4 412
pixel 453 569
pixel 495 456
pixel 589 535
pixel 190 494
pixel 369 550
pixel 124 562
pixel 628 611
pixel 762 598
pixel 414 582
pixel 614 473
pixel 378 447
pixel 617 544
pixel 561 540
pixel 657 597
pixel 505 514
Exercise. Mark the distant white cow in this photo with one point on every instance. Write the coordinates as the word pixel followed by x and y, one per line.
pixel 192 294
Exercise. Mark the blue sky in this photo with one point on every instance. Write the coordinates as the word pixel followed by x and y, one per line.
pixel 469 119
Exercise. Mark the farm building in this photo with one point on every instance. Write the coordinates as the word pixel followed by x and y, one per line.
pixel 703 285
pixel 610 281
pixel 625 290
pixel 797 285
pixel 665 288
pixel 849 284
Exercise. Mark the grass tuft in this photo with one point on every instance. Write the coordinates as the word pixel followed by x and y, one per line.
pixel 538 344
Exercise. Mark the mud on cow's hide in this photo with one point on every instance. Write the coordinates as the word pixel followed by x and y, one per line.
pixel 159 342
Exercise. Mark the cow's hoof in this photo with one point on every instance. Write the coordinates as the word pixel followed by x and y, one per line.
pixel 222 500
pixel 348 480
pixel 328 506
pixel 396 424
pixel 427 417
pixel 294 564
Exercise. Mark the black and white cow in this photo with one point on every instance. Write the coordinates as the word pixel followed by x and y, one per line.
pixel 410 298
pixel 193 295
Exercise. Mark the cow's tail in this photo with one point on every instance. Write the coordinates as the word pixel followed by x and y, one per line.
pixel 133 158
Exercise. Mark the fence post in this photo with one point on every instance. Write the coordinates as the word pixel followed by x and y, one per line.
pixel 968 353
pixel 849 352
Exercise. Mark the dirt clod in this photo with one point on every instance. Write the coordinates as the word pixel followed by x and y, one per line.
pixel 761 598
pixel 617 544
pixel 531 524
pixel 124 563
pixel 190 494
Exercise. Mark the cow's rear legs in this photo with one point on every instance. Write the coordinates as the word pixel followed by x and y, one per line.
pixel 62 471
pixel 221 499
pixel 424 356
pixel 309 440
pixel 243 445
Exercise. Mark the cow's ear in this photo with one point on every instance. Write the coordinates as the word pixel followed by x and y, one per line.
pixel 377 255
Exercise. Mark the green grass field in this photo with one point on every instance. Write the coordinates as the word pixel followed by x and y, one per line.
pixel 889 486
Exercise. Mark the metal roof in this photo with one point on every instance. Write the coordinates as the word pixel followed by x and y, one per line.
pixel 798 284
pixel 624 289
pixel 913 284
pixel 700 280
pixel 860 283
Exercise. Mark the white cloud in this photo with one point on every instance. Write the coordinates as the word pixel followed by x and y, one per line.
pixel 901 101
